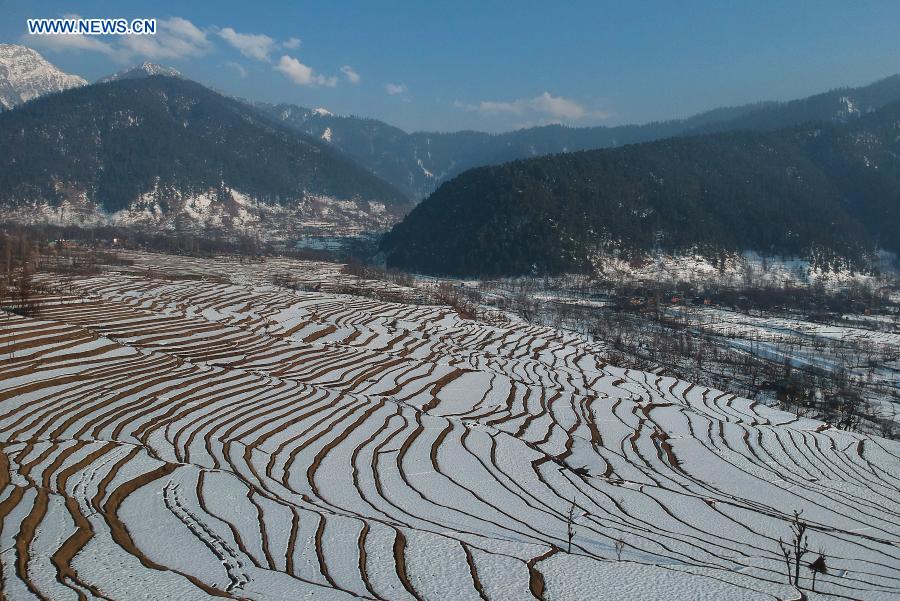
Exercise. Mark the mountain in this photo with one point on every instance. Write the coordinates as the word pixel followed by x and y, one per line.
pixel 414 163
pixel 26 75
pixel 826 191
pixel 141 71
pixel 167 153
pixel 419 162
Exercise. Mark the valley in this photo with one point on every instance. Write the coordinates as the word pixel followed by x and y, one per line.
pixel 535 305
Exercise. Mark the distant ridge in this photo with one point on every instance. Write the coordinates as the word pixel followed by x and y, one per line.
pixel 419 162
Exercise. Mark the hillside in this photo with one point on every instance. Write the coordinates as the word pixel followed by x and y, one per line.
pixel 419 162
pixel 167 153
pixel 184 429
pixel 824 191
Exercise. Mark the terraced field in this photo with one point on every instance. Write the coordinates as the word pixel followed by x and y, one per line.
pixel 173 438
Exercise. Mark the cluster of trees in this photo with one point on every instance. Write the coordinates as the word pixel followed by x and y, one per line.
pixel 109 237
pixel 840 391
pixel 654 326
pixel 822 191
pixel 19 257
pixel 119 140
pixel 356 267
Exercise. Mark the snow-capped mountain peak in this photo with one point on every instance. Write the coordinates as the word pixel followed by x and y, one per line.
pixel 145 69
pixel 25 75
pixel 322 112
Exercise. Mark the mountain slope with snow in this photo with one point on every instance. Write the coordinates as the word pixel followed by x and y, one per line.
pixel 166 153
pixel 145 69
pixel 26 75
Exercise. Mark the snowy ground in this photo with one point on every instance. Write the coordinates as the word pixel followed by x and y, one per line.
pixel 740 349
pixel 184 429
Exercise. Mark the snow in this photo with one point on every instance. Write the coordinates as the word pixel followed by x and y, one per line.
pixel 697 269
pixel 424 170
pixel 145 69
pixel 266 443
pixel 26 75
pixel 226 210
pixel 849 107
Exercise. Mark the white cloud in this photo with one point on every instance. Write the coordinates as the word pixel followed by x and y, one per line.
pixel 558 107
pixel 252 45
pixel 301 74
pixel 237 68
pixel 351 74
pixel 175 38
pixel 395 89
pixel 178 38
pixel 69 43
pixel 546 106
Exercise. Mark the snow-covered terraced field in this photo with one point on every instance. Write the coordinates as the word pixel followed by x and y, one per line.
pixel 184 439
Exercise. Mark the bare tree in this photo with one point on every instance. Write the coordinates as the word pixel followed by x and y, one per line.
pixel 570 526
pixel 794 551
pixel 620 546
pixel 24 289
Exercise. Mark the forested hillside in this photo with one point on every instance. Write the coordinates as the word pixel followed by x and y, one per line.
pixel 827 192
pixel 113 144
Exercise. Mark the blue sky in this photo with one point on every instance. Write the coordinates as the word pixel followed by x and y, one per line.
pixel 493 66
